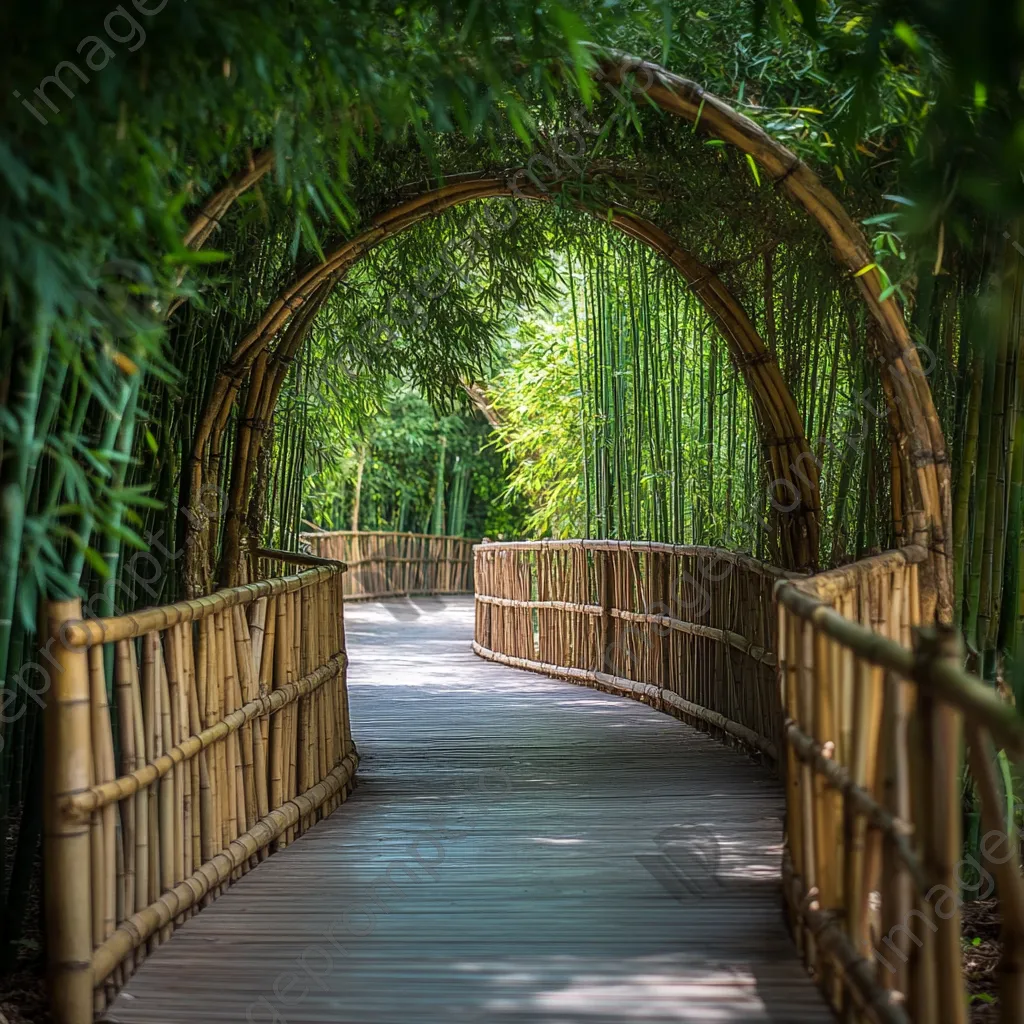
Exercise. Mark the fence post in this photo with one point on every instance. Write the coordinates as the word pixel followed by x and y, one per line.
pixel 66 853
pixel 484 561
pixel 1001 849
pixel 662 635
pixel 938 775
pixel 604 599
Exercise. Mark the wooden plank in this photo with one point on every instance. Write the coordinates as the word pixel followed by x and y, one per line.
pixel 556 854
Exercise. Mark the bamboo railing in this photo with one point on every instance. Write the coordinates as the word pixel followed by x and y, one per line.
pixel 184 744
pixel 877 713
pixel 870 711
pixel 383 565
pixel 687 629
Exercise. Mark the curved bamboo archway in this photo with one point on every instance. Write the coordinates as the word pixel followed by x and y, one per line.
pixel 790 462
pixel 921 474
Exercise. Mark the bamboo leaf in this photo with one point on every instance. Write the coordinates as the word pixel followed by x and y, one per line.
pixel 752 164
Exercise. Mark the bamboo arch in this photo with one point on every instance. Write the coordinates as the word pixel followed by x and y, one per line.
pixel 921 475
pixel 793 469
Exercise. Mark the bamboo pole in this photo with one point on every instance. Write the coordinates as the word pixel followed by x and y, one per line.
pixel 165 788
pixel 69 908
pixel 942 727
pixel 126 729
pixel 141 857
pixel 98 860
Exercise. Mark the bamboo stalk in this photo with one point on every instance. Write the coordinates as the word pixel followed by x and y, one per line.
pixel 165 788
pixel 126 723
pixel 98 860
pixel 69 909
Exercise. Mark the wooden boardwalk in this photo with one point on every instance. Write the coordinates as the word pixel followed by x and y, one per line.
pixel 518 849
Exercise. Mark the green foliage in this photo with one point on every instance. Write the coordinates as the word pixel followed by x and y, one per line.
pixel 101 395
pixel 538 397
pixel 400 449
pixel 622 414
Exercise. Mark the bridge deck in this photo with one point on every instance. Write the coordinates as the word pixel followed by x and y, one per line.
pixel 556 855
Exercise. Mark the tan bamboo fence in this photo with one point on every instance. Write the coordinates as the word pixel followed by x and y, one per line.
pixel 383 565
pixel 687 629
pixel 870 710
pixel 878 711
pixel 184 744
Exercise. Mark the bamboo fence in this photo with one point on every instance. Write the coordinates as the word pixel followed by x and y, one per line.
pixel 383 565
pixel 184 744
pixel 686 628
pixel 877 710
pixel 869 710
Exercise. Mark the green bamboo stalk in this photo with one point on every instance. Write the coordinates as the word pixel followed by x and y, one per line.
pixel 437 522
pixel 964 488
pixel 981 496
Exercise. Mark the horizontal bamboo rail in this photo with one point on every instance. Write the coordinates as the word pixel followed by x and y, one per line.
pixel 184 744
pixel 686 628
pixel 875 709
pixel 383 565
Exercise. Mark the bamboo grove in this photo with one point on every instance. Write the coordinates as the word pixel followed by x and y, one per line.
pixel 667 435
pixel 233 263
pixel 658 438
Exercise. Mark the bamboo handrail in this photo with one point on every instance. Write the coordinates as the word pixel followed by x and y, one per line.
pixel 825 586
pixel 299 558
pixel 88 632
pixel 876 711
pixel 563 606
pixel 953 684
pixel 737 558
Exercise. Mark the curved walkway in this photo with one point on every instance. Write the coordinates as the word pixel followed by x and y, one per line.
pixel 518 849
